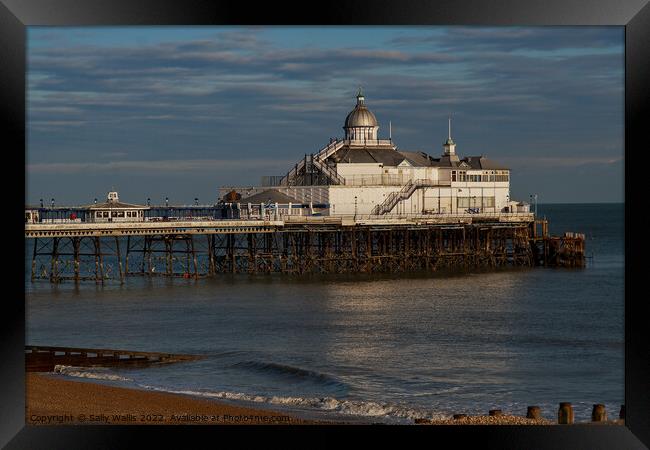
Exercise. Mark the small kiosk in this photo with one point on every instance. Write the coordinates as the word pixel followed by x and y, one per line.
pixel 115 211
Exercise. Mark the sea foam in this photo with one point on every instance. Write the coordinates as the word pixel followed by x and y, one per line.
pixel 325 404
pixel 96 373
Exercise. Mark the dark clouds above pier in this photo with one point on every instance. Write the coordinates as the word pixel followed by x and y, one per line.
pixel 160 111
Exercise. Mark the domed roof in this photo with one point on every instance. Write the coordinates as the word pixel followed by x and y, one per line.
pixel 360 116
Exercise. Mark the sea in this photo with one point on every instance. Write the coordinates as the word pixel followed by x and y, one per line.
pixel 366 348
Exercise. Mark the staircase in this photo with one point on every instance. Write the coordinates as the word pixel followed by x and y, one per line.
pixel 394 197
pixel 318 160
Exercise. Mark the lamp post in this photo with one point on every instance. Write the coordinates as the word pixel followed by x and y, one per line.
pixel 533 197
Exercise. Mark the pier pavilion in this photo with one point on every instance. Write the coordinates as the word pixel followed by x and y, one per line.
pixel 363 174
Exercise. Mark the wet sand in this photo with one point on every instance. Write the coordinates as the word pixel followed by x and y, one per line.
pixel 54 401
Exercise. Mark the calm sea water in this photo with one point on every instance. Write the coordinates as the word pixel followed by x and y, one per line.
pixel 378 348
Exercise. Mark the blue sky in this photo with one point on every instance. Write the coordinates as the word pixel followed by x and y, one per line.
pixel 179 112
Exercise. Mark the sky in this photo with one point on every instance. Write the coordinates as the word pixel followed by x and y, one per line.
pixel 178 112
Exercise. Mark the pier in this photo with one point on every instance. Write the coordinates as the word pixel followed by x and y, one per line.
pixel 296 245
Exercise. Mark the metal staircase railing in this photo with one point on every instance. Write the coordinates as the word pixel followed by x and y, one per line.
pixel 406 192
pixel 327 170
pixel 330 149
pixel 319 161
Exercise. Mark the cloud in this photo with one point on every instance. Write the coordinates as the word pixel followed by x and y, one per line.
pixel 562 161
pixel 509 39
pixel 159 166
pixel 245 93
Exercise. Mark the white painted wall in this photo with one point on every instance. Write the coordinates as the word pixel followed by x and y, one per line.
pixel 443 199
pixel 341 198
pixel 349 169
pixel 365 174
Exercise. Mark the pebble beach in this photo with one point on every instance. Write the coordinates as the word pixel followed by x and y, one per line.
pixel 54 401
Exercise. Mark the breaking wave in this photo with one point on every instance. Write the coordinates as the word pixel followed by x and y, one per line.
pixel 97 373
pixel 325 404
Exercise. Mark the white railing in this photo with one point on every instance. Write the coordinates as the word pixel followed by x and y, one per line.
pixel 319 161
pixel 329 149
pixel 367 142
pixel 446 217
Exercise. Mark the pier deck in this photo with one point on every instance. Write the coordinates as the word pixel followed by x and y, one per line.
pixel 296 245
pixel 63 229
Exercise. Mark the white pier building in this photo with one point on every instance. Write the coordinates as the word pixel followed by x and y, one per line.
pixel 362 174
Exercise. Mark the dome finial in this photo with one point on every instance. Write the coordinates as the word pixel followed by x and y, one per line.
pixel 360 97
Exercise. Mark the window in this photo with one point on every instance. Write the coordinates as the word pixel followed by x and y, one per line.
pixel 502 175
pixel 105 213
pixel 453 175
pixel 113 213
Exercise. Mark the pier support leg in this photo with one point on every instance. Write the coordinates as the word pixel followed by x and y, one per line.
pixel 194 260
pixel 99 259
pixel 211 269
pixel 119 259
pixel 34 259
pixel 128 251
pixel 54 273
pixel 169 261
pixel 76 262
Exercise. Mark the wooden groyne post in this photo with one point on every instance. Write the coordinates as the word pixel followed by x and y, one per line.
pixel 534 412
pixel 565 414
pixel 598 413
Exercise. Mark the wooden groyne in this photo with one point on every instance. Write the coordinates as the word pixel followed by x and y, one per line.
pixel 321 245
pixel 44 359
pixel 564 414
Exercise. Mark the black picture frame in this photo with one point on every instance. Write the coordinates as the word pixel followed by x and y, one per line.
pixel 634 15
